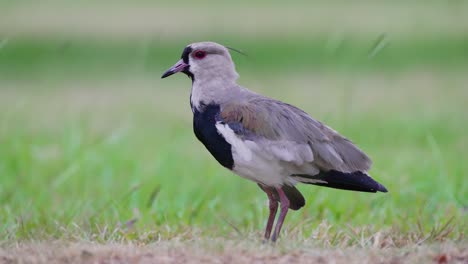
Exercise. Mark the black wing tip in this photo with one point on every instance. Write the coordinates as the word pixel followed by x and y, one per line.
pixel 352 181
pixel 381 188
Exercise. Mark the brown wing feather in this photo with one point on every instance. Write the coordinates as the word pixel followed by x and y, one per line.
pixel 251 117
pixel 275 120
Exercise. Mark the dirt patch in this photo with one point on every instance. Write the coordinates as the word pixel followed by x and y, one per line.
pixel 221 251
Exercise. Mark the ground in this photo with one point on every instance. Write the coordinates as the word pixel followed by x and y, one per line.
pixel 220 250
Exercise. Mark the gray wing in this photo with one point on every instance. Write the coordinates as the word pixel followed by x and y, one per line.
pixel 293 135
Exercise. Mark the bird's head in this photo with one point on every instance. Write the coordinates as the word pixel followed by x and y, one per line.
pixel 204 61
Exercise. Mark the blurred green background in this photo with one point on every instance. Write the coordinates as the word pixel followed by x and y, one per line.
pixel 92 139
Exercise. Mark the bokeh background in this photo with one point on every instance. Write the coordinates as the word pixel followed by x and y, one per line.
pixel 93 144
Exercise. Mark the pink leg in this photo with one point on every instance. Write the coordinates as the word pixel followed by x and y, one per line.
pixel 273 204
pixel 284 210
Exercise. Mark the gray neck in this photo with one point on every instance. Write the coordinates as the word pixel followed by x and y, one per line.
pixel 215 90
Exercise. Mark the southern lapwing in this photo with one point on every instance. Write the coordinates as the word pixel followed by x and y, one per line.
pixel 272 143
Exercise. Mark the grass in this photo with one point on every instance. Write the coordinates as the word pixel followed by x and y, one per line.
pixel 40 58
pixel 64 150
pixel 98 161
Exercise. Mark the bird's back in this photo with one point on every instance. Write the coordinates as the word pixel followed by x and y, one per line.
pixel 276 122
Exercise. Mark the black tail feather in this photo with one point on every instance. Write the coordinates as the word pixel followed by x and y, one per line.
pixel 354 181
pixel 296 200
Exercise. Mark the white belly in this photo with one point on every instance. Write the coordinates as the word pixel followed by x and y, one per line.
pixel 259 170
pixel 253 162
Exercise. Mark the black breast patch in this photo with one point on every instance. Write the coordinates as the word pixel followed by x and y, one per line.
pixel 204 127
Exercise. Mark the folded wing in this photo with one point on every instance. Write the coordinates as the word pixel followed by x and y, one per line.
pixel 293 136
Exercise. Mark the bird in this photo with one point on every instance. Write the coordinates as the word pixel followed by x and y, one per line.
pixel 267 141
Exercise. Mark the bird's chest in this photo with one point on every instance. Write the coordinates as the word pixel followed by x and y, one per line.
pixel 204 127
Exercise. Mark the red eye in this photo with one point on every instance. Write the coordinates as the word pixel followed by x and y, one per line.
pixel 199 54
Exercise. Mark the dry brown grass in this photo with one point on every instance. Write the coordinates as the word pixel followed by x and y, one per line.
pixel 218 250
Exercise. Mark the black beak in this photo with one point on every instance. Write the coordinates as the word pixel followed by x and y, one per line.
pixel 178 67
